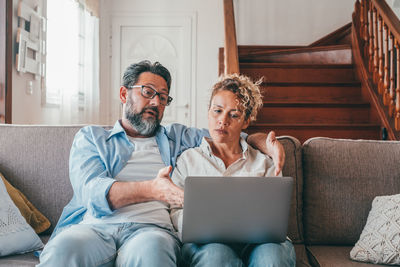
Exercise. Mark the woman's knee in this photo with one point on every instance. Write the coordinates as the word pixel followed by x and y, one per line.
pixel 273 254
pixel 213 254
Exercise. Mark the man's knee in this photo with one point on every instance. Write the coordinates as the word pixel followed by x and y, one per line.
pixel 156 241
pixel 273 255
pixel 149 248
pixel 69 242
pixel 77 245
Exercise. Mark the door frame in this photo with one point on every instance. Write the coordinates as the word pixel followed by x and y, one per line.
pixel 6 16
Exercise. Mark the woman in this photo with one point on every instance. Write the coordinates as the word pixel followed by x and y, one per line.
pixel 235 101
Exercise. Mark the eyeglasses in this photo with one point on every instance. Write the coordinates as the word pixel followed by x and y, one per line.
pixel 149 92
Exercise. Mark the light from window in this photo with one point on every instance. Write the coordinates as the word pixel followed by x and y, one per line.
pixel 62 56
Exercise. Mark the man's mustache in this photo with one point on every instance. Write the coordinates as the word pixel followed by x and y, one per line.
pixel 154 109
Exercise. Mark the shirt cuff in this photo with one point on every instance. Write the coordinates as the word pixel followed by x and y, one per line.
pixel 98 202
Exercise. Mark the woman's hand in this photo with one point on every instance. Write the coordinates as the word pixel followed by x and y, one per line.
pixel 165 190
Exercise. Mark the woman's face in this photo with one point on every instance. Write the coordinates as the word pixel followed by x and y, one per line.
pixel 226 118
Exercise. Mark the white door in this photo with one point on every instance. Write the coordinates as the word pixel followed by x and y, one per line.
pixel 164 38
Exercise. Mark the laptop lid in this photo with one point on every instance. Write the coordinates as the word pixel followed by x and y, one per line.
pixel 236 209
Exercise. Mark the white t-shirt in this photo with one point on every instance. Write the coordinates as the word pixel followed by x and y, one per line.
pixel 144 164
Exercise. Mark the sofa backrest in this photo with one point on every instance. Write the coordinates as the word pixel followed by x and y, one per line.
pixel 35 160
pixel 293 168
pixel 341 178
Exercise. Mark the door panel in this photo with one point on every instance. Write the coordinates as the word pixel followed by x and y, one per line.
pixel 167 39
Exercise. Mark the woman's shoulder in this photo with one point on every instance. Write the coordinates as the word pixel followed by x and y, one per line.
pixel 195 153
pixel 190 153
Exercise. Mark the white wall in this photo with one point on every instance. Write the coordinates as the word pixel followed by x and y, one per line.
pixel 289 22
pixel 395 5
pixel 26 108
pixel 265 22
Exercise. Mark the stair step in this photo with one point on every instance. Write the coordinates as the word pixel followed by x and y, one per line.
pixel 292 72
pixel 334 54
pixel 306 131
pixel 295 113
pixel 248 49
pixel 311 92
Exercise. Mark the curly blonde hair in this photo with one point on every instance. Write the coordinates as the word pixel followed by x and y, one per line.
pixel 247 91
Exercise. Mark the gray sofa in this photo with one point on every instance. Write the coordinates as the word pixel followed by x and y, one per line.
pixel 335 183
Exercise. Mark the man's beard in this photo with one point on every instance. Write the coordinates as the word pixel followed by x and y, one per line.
pixel 145 127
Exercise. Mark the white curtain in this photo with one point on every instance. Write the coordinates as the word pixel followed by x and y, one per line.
pixel 91 70
pixel 72 77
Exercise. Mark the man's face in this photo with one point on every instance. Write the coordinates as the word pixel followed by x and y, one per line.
pixel 145 114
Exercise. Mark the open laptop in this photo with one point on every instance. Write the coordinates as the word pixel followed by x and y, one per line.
pixel 236 209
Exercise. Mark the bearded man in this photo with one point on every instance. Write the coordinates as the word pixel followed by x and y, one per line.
pixel 119 213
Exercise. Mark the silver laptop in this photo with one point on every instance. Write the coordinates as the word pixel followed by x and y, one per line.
pixel 236 209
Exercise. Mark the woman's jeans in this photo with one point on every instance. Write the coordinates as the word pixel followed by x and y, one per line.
pixel 124 244
pixel 217 254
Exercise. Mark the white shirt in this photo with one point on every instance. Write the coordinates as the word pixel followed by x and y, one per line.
pixel 144 164
pixel 200 161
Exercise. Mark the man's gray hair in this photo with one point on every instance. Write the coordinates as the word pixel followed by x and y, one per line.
pixel 133 72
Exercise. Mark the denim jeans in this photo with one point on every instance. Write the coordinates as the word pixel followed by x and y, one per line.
pixel 124 244
pixel 217 254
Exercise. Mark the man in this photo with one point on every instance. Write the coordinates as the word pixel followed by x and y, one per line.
pixel 119 212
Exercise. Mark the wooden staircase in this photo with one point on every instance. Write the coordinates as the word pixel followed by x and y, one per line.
pixel 309 91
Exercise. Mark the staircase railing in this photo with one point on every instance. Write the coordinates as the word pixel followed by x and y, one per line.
pixel 377 31
pixel 231 59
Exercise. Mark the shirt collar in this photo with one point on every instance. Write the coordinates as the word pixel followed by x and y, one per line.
pixel 117 129
pixel 206 148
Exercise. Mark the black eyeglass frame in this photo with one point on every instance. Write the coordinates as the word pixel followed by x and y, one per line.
pixel 169 99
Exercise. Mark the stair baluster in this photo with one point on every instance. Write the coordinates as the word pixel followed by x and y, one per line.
pixel 376 57
pixel 392 88
pixel 371 40
pixel 386 68
pixel 380 63
pixel 397 117
pixel 365 26
pixel 380 46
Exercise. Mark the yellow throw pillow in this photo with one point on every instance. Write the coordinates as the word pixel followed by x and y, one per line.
pixel 31 214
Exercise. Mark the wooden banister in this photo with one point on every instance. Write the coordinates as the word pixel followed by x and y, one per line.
pixel 231 58
pixel 377 33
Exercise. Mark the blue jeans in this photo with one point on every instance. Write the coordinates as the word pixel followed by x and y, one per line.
pixel 217 254
pixel 124 244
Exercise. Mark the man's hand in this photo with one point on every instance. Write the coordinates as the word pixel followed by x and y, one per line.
pixel 268 144
pixel 165 190
pixel 278 153
pixel 160 188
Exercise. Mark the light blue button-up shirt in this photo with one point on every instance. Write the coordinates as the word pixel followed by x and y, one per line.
pixel 98 155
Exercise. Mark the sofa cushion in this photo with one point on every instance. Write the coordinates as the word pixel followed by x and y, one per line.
pixel 35 160
pixel 16 235
pixel 380 239
pixel 293 169
pixel 19 260
pixel 27 259
pixel 320 256
pixel 341 178
pixel 301 256
pixel 31 214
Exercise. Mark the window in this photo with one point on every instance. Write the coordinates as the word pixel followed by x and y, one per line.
pixel 72 60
